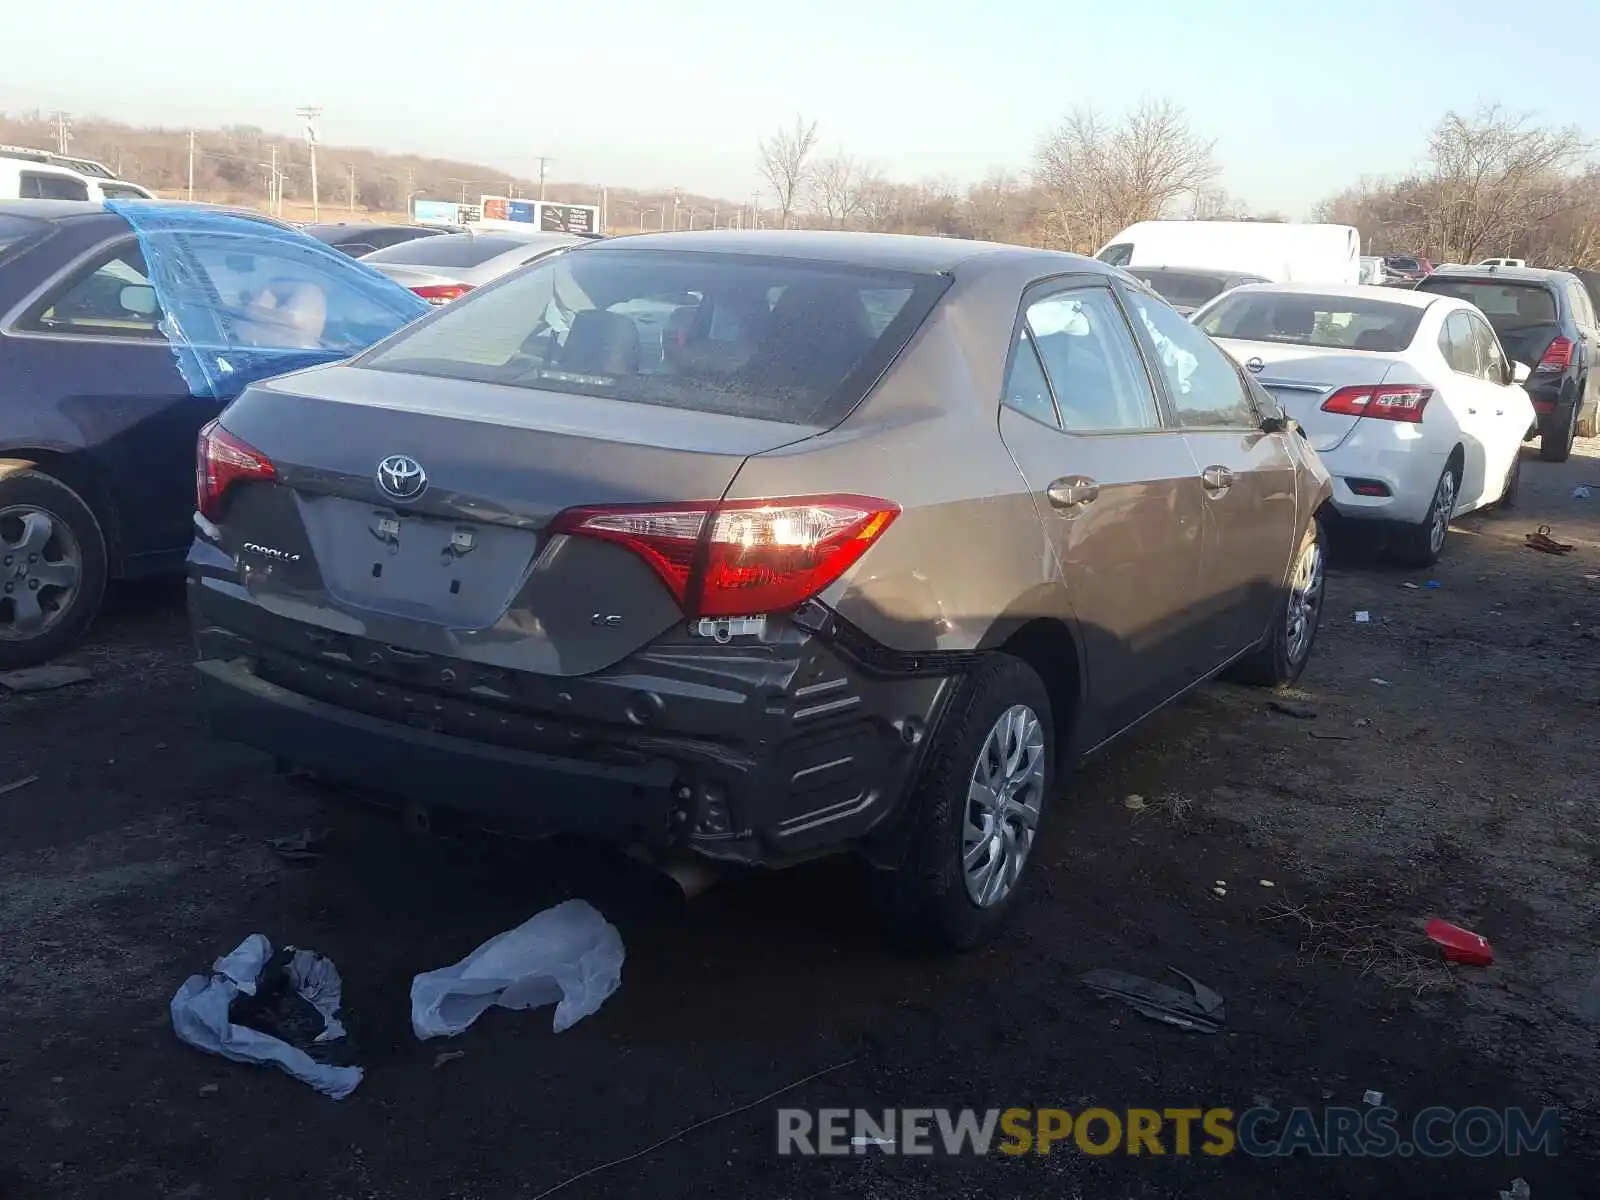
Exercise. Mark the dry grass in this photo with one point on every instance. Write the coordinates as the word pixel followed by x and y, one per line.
pixel 1342 929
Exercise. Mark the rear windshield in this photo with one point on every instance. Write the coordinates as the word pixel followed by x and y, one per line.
pixel 1184 289
pixel 774 338
pixel 447 250
pixel 1507 305
pixel 1302 319
pixel 1403 264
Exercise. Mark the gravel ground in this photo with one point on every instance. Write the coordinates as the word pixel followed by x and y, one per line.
pixel 1460 786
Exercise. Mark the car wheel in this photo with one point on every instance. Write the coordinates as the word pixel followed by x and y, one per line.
pixel 52 568
pixel 1555 445
pixel 1421 544
pixel 975 815
pixel 1284 652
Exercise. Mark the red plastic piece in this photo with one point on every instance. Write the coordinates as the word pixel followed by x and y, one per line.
pixel 1461 945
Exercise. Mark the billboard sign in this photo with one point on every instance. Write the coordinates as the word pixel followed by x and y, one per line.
pixel 544 215
pixel 436 212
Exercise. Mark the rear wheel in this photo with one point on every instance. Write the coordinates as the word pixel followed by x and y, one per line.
pixel 1555 444
pixel 1421 544
pixel 1283 655
pixel 976 813
pixel 52 568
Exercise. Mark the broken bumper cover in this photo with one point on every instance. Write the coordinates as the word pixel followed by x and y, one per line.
pixel 436 769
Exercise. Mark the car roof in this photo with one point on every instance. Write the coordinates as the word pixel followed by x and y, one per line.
pixel 888 251
pixel 1508 274
pixel 54 210
pixel 341 228
pixel 1353 291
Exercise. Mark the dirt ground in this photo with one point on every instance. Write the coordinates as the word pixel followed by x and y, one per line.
pixel 1461 786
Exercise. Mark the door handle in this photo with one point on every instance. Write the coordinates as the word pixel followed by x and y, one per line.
pixel 1217 479
pixel 1472 412
pixel 1073 492
pixel 1499 412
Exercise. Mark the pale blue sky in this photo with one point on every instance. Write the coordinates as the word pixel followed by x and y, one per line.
pixel 1300 99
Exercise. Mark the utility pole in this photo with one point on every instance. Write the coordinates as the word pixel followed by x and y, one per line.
pixel 605 211
pixel 677 200
pixel 63 131
pixel 308 113
pixel 543 162
pixel 191 164
pixel 352 167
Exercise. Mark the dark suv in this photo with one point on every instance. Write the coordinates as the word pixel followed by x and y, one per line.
pixel 1546 320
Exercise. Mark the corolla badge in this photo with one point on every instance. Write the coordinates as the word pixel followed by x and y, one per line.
pixel 401 477
pixel 1255 366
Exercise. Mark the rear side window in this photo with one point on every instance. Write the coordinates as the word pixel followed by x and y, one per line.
pixel 123 191
pixel 1305 319
pixel 41 185
pixel 1118 255
pixel 1579 301
pixel 111 299
pixel 1458 344
pixel 779 339
pixel 1092 363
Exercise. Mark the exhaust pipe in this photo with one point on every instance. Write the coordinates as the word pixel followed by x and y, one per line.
pixel 692 874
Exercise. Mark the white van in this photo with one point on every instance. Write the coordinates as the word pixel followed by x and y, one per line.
pixel 1279 251
pixel 25 179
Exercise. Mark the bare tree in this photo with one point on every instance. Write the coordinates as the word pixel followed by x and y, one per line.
pixel 785 163
pixel 1492 180
pixel 1216 204
pixel 1099 178
pixel 838 184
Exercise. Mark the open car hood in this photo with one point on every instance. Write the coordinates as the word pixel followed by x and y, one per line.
pixel 243 299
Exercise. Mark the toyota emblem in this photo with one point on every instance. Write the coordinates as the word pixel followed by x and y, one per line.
pixel 1254 366
pixel 401 477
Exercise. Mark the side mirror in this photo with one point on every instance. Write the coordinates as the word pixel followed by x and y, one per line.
pixel 1520 372
pixel 139 299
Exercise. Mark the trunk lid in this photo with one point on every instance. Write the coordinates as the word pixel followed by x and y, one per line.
pixel 1301 378
pixel 463 566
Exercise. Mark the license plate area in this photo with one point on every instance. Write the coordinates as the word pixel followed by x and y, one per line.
pixel 463 573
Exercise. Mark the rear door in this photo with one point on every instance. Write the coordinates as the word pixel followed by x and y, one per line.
pixel 1117 491
pixel 1247 477
pixel 1506 409
pixel 1472 402
pixel 1588 343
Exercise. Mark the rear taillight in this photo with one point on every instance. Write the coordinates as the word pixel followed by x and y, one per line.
pixel 222 460
pixel 1394 402
pixel 443 293
pixel 1558 357
pixel 741 557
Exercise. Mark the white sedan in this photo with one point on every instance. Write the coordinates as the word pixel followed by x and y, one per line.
pixel 1407 396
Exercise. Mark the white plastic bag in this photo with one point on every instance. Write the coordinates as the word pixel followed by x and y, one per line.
pixel 200 1014
pixel 569 956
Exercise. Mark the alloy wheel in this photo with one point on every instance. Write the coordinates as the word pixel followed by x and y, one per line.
pixel 1305 600
pixel 1444 505
pixel 41 565
pixel 1004 799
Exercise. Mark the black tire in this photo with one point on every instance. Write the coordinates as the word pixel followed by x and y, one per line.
pixel 1274 663
pixel 925 898
pixel 1413 546
pixel 33 489
pixel 1555 444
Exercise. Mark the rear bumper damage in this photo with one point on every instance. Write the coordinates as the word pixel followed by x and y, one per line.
pixel 762 751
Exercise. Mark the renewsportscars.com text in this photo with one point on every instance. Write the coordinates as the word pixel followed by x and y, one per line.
pixel 1257 1132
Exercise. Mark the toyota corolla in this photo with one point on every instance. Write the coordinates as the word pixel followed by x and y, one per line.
pixel 760 546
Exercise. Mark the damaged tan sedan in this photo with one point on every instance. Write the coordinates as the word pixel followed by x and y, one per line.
pixel 756 546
